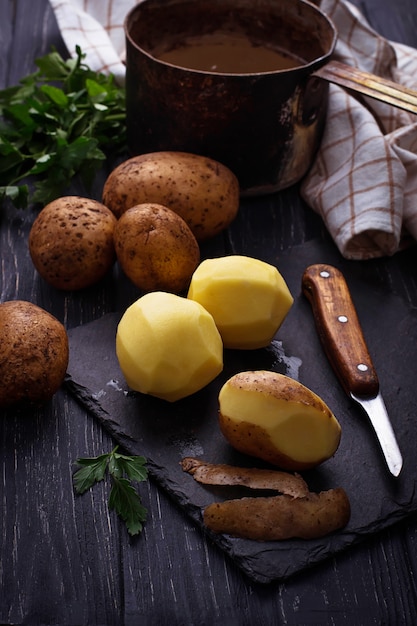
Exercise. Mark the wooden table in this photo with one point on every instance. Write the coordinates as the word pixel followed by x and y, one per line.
pixel 66 560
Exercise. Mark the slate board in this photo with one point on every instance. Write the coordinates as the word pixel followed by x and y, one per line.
pixel 165 432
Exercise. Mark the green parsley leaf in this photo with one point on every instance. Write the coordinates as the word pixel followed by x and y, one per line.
pixel 123 498
pixel 92 471
pixel 126 502
pixel 56 95
pixel 132 466
pixel 61 121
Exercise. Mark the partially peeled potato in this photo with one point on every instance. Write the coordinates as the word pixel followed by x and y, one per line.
pixel 275 418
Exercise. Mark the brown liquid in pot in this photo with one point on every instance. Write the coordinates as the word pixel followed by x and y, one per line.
pixel 228 54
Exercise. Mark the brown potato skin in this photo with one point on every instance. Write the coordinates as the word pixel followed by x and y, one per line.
pixel 71 242
pixel 34 354
pixel 204 192
pixel 155 248
pixel 251 477
pixel 280 517
pixel 250 439
pixel 274 384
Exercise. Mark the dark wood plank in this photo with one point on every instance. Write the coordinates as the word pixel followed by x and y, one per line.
pixel 60 558
pixel 65 559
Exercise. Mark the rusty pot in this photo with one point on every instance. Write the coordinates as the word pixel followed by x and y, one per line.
pixel 265 124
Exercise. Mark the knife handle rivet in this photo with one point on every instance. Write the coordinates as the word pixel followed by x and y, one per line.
pixel 324 274
pixel 343 319
pixel 362 367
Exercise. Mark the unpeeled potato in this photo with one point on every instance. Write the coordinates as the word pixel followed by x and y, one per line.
pixel 277 419
pixel 71 242
pixel 33 354
pixel 204 192
pixel 155 248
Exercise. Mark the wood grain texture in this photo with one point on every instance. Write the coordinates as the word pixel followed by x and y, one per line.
pixel 66 560
pixel 339 328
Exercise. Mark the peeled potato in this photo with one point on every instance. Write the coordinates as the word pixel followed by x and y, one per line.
pixel 202 191
pixel 277 419
pixel 155 248
pixel 33 354
pixel 168 346
pixel 71 242
pixel 247 298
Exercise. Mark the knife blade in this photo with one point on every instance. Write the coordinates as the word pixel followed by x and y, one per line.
pixel 343 341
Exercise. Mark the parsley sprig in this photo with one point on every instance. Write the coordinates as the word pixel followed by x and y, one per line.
pixel 60 121
pixel 123 498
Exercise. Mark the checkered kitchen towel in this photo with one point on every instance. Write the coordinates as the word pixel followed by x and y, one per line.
pixel 363 182
pixel 97 27
pixel 364 179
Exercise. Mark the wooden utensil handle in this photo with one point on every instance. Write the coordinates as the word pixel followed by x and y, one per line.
pixel 339 329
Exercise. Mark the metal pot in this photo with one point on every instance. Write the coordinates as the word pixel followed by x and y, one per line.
pixel 265 125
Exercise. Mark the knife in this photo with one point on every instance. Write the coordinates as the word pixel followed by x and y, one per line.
pixel 340 332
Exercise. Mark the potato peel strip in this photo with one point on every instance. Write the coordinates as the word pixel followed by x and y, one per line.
pixel 296 513
pixel 253 478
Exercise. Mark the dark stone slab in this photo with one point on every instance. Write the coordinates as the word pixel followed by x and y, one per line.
pixel 165 432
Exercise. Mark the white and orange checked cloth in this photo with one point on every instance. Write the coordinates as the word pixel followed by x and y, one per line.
pixel 97 27
pixel 363 182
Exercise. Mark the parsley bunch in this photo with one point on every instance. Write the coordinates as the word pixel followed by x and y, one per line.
pixel 60 121
pixel 123 498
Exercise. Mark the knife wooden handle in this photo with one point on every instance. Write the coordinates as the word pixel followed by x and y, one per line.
pixel 339 329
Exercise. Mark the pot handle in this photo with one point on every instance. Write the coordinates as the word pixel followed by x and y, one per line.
pixel 369 84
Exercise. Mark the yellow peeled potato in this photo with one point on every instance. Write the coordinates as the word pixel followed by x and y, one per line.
pixel 168 346
pixel 202 191
pixel 277 419
pixel 155 248
pixel 247 298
